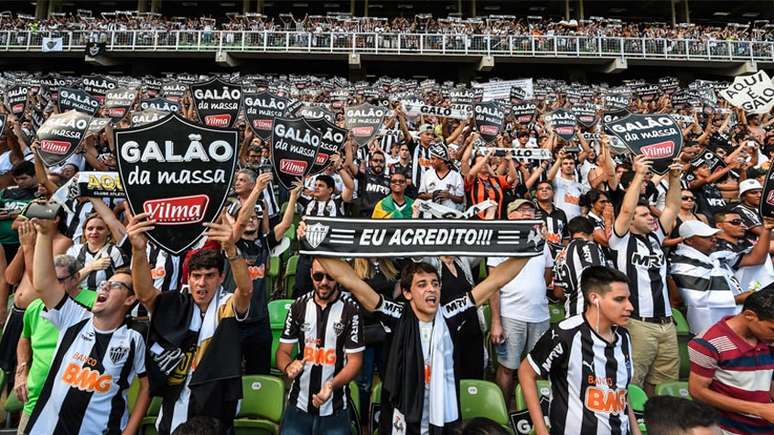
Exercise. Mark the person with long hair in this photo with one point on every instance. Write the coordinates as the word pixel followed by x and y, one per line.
pixel 96 253
pixel 600 214
pixel 687 213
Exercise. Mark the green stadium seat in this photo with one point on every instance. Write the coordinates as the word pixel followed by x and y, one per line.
pixel 637 398
pixel 556 312
pixel 262 406
pixel 376 401
pixel 148 424
pixel 683 337
pixel 544 390
pixel 483 271
pixel 272 273
pixel 482 399
pixel 675 389
pixel 681 324
pixel 290 274
pixel 354 397
pixel 487 310
pixel 13 404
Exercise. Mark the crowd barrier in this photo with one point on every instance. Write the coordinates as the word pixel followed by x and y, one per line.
pixel 398 44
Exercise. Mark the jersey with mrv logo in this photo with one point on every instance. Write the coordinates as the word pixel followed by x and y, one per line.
pixel 325 336
pixel 589 377
pixel 87 385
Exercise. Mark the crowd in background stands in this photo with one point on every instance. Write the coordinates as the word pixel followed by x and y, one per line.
pixel 490 25
pixel 601 208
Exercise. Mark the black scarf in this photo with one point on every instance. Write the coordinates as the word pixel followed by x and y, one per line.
pixel 404 384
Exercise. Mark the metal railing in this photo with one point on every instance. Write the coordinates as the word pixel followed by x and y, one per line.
pixel 399 43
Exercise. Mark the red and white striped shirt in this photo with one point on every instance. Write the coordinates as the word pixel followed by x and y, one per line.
pixel 738 369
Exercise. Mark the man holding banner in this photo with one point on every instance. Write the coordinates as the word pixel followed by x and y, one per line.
pixel 419 391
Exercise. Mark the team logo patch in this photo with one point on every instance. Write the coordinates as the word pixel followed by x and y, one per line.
pixel 118 353
pixel 338 328
pixel 315 234
pixel 306 327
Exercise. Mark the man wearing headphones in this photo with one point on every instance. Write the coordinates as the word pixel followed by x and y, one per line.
pixel 588 359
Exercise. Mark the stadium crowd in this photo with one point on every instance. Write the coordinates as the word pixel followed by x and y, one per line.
pixel 495 25
pixel 94 307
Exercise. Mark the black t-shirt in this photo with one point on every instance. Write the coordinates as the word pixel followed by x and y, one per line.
pixel 373 188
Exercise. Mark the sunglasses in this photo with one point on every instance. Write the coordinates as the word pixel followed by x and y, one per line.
pixel 318 276
pixel 689 198
pixel 735 222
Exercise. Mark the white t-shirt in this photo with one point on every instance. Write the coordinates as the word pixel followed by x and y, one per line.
pixel 567 196
pixel 524 298
pixel 451 183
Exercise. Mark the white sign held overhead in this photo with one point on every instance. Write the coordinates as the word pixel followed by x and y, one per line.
pixel 753 93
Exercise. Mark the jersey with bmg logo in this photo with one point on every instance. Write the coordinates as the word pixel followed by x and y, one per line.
pixel 589 378
pixel 90 374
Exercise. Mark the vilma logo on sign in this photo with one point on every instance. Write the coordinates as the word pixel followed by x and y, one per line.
pixel 115 112
pixel 293 167
pixel 488 129
pixel 362 131
pixel 220 120
pixel 59 147
pixel 321 158
pixel 17 108
pixel 262 124
pixel 176 211
pixel 658 150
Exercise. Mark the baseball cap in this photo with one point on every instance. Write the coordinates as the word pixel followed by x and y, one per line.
pixel 749 184
pixel 439 150
pixel 696 228
pixel 518 203
pixel 424 127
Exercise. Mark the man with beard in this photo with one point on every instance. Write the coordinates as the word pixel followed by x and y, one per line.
pixel 373 183
pixel 554 217
pixel 419 391
pixel 194 363
pixel 328 330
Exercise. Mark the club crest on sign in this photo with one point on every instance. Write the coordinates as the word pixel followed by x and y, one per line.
pixel 315 234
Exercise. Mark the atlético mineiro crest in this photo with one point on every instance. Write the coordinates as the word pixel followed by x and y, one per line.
pixel 338 328
pixel 315 234
pixel 118 353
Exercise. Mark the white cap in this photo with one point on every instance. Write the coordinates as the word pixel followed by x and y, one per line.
pixel 749 184
pixel 696 228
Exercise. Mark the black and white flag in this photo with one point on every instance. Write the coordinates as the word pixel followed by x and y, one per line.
pixel 421 237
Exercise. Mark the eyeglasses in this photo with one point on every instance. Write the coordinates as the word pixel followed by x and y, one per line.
pixel 689 198
pixel 114 285
pixel 318 276
pixel 735 222
pixel 65 278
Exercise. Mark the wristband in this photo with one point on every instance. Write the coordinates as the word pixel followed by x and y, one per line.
pixel 285 370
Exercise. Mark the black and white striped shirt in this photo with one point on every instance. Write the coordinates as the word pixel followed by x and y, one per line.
pixel 568 267
pixel 641 259
pixel 333 207
pixel 589 378
pixel 85 256
pixel 325 336
pixel 87 385
pixel 421 161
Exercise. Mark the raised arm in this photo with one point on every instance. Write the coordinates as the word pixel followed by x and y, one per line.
pixel 625 215
pixel 347 278
pixel 142 282
pixel 43 272
pixel 498 277
pixel 117 229
pixel 290 211
pixel 225 232
pixel 672 208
